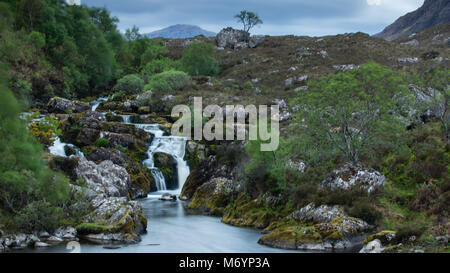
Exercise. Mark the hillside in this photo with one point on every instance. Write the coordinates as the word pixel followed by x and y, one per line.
pixel 180 31
pixel 432 13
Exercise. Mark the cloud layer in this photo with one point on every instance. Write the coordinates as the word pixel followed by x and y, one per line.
pixel 281 17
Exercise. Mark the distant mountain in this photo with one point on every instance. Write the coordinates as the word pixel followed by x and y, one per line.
pixel 432 13
pixel 180 31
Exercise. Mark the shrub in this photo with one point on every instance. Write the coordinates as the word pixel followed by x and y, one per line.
pixel 159 66
pixel 37 39
pixel 365 211
pixel 130 84
pixel 408 229
pixel 102 142
pixel 168 81
pixel 198 60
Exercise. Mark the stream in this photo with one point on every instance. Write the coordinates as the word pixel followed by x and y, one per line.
pixel 171 228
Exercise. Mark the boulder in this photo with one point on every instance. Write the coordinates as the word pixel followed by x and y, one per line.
pixel 106 177
pixel 284 114
pixel 66 233
pixel 205 171
pixel 213 196
pixel 231 38
pixel 374 246
pixel 350 176
pixel 61 105
pixel 102 154
pixel 168 197
pixel 322 214
pixel 113 215
pixel 40 244
pixel 144 99
pixel 256 40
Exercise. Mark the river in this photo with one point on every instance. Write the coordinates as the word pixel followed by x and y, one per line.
pixel 172 229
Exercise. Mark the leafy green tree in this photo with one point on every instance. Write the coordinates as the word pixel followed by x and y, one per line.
pixel 24 177
pixel 354 111
pixel 198 59
pixel 248 19
pixel 133 34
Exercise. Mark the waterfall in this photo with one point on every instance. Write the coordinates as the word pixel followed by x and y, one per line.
pixel 126 118
pixel 96 103
pixel 171 145
pixel 58 148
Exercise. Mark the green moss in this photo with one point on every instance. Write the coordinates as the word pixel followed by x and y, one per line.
pixel 93 228
pixel 383 236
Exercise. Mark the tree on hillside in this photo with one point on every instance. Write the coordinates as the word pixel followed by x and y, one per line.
pixel 248 19
pixel 198 60
pixel 30 192
pixel 355 111
pixel 438 79
pixel 133 34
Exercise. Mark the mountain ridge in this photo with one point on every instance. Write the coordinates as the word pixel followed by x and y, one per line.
pixel 431 13
pixel 180 31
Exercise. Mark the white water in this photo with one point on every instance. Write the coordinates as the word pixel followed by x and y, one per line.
pixel 58 148
pixel 126 118
pixel 96 103
pixel 171 145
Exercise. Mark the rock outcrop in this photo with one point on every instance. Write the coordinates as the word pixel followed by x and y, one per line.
pixel 107 178
pixel 62 106
pixel 237 39
pixel 350 176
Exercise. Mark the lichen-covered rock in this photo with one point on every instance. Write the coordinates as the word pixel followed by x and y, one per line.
pixel 322 214
pixel 231 38
pixel 296 165
pixel 106 178
pixel 350 176
pixel 342 228
pixel 374 246
pixel 61 105
pixel 430 102
pixel 284 114
pixel 66 233
pixel 113 215
pixel 144 99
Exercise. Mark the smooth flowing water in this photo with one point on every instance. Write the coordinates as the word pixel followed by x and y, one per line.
pixel 172 229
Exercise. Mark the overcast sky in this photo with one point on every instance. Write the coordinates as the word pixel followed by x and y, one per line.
pixel 281 17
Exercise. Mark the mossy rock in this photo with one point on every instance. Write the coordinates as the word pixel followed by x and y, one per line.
pixel 142 181
pixel 285 238
pixel 168 166
pixel 386 237
pixel 249 213
pixel 208 200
